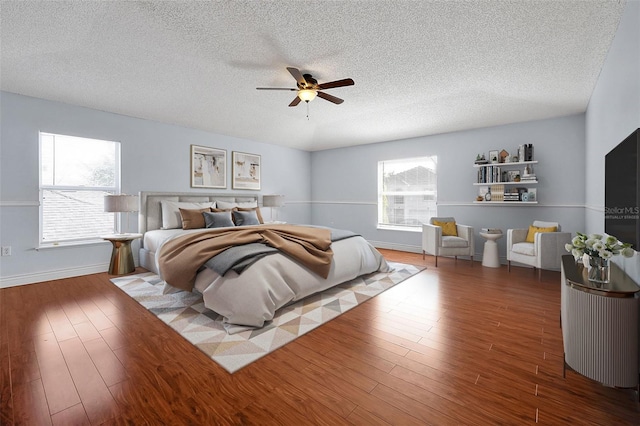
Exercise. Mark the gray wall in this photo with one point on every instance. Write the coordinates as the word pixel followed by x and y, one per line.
pixel 613 113
pixel 344 181
pixel 341 182
pixel 155 157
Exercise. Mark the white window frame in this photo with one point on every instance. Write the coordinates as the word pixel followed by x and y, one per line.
pixel 115 189
pixel 407 191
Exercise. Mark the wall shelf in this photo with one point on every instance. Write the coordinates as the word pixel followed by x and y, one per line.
pixel 499 179
pixel 512 203
pixel 521 183
pixel 514 163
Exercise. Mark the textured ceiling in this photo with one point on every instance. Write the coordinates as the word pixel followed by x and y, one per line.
pixel 420 67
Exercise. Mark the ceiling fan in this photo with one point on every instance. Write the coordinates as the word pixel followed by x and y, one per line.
pixel 308 88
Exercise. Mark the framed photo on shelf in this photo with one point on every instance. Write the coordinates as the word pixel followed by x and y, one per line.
pixel 208 167
pixel 494 156
pixel 246 171
pixel 533 194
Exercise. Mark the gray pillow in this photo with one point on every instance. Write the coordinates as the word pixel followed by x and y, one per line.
pixel 217 219
pixel 245 218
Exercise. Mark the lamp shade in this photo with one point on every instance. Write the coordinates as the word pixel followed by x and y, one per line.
pixel 120 203
pixel 273 200
pixel 307 94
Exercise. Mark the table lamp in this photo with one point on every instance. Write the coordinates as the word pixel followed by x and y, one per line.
pixel 121 203
pixel 273 201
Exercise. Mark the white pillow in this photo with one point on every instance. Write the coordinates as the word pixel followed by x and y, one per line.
pixel 171 218
pixel 245 205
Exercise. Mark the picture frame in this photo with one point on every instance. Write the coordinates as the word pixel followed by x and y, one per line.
pixel 245 171
pixel 494 156
pixel 533 194
pixel 208 167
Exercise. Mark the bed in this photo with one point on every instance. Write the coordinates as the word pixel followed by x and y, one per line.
pixel 246 292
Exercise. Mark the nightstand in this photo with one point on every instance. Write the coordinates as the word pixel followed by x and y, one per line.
pixel 121 256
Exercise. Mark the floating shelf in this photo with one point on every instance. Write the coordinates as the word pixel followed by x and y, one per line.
pixel 512 203
pixel 515 163
pixel 526 182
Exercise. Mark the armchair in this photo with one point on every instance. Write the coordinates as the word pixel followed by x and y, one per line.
pixel 437 244
pixel 546 250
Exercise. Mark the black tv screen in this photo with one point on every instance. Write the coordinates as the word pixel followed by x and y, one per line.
pixel 622 191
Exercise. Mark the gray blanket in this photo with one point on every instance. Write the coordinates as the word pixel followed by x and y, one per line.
pixel 241 257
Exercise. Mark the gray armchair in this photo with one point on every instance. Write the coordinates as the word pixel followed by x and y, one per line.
pixel 435 244
pixel 544 253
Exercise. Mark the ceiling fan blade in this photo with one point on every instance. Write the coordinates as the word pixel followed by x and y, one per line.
pixel 276 88
pixel 295 72
pixel 295 102
pixel 330 98
pixel 337 83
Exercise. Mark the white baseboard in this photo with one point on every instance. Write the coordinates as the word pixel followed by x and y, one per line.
pixel 15 280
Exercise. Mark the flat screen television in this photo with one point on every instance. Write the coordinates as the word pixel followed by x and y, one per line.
pixel 622 191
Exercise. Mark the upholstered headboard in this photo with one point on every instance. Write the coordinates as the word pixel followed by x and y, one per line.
pixel 150 214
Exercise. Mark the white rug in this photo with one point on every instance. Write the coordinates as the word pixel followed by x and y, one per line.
pixel 186 314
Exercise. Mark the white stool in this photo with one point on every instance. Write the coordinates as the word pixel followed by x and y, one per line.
pixel 490 255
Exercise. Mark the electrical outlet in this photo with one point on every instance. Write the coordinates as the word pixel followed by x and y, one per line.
pixel 6 251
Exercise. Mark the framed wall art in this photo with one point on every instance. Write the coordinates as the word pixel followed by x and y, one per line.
pixel 208 167
pixel 246 171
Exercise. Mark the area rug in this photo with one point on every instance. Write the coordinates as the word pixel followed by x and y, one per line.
pixel 186 314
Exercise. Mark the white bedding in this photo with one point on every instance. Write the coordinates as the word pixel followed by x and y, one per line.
pixel 154 239
pixel 251 298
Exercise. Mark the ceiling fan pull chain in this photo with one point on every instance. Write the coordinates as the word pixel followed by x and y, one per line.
pixel 307 110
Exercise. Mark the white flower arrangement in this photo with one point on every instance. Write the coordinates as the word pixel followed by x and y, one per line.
pixel 596 245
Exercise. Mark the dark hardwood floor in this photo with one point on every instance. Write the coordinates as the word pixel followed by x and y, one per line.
pixel 452 345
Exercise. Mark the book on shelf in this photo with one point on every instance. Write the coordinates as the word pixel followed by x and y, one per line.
pixel 497 192
pixel 525 152
pixel 489 174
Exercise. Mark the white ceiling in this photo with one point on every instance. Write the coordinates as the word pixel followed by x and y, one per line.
pixel 420 67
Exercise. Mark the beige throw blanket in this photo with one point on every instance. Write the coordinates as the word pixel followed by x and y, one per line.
pixel 180 258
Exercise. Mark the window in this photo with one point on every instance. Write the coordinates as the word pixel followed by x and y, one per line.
pixel 407 192
pixel 75 175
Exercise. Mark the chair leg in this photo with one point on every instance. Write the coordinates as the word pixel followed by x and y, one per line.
pixel 423 253
pixel 472 261
pixel 436 261
pixel 508 266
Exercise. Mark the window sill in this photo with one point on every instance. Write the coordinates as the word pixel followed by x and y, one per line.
pixel 400 228
pixel 67 244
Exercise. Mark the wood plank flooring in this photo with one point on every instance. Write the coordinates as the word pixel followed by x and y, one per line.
pixel 452 345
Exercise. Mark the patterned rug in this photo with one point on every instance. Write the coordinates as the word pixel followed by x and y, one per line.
pixel 186 314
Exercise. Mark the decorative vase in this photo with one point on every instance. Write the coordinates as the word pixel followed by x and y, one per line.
pixel 599 269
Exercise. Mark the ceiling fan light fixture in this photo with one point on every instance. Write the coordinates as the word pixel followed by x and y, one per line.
pixel 307 94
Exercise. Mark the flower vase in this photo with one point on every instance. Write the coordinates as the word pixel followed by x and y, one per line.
pixel 599 269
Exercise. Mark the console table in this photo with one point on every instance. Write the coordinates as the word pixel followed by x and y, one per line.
pixel 600 325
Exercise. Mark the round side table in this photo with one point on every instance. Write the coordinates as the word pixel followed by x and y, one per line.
pixel 121 256
pixel 490 255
